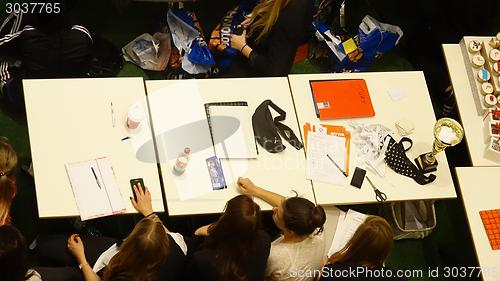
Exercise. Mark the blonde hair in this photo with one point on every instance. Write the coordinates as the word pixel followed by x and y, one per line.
pixel 141 253
pixel 8 162
pixel 369 246
pixel 264 16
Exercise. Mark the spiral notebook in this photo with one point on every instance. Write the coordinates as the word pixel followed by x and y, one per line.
pixel 231 129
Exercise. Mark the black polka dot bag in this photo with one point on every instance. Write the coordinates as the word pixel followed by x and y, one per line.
pixel 396 159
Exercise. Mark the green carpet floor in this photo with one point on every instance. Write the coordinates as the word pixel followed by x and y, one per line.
pixel 449 244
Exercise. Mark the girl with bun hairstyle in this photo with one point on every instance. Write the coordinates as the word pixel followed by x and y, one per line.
pixel 8 162
pixel 298 253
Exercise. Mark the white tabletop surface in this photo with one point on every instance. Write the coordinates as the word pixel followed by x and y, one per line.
pixel 472 121
pixel 479 187
pixel 69 120
pixel 415 106
pixel 177 104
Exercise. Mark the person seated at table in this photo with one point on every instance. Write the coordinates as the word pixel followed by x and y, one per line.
pixel 14 261
pixel 274 30
pixel 235 248
pixel 14 256
pixel 8 163
pixel 149 252
pixel 300 248
pixel 364 253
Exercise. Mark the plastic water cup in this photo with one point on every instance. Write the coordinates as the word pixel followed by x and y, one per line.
pixel 135 116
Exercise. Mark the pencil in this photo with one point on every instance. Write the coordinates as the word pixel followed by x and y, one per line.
pixel 336 165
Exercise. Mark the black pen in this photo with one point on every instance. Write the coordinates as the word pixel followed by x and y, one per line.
pixel 334 163
pixel 95 176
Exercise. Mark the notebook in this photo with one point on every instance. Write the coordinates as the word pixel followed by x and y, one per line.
pixel 231 129
pixel 341 98
pixel 491 222
pixel 95 188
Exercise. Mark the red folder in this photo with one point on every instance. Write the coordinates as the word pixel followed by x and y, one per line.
pixel 341 98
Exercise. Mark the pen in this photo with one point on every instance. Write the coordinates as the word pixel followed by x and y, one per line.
pixel 125 138
pixel 113 121
pixel 334 163
pixel 95 176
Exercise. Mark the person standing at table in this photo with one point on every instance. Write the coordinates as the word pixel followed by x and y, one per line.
pixel 273 31
pixel 298 253
pixel 364 254
pixel 8 162
pixel 235 247
pixel 150 252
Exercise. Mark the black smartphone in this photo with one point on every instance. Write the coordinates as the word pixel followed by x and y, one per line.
pixel 136 182
pixel 358 177
pixel 238 29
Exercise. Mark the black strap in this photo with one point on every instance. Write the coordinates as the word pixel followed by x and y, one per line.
pixel 281 112
pixel 408 140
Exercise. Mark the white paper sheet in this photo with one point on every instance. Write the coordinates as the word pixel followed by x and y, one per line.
pixel 346 227
pixel 318 166
pixel 94 201
pixel 241 143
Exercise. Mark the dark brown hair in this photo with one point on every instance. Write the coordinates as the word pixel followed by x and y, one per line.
pixel 369 246
pixel 234 235
pixel 8 162
pixel 13 254
pixel 303 217
pixel 141 252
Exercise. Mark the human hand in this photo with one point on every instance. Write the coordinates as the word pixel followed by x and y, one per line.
pixel 239 41
pixel 76 248
pixel 143 203
pixel 246 187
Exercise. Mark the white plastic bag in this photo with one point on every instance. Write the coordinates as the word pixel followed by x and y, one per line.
pixel 149 52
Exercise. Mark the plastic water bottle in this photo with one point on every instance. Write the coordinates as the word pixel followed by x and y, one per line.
pixel 182 161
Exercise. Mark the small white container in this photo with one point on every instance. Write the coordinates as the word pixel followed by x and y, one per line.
pixel 478 61
pixel 475 46
pixel 483 75
pixel 486 89
pixel 496 68
pixel 490 101
pixel 494 55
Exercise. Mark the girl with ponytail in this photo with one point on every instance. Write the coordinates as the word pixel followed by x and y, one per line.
pixel 298 253
pixel 8 162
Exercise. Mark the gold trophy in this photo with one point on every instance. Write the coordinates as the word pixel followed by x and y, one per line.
pixel 447 132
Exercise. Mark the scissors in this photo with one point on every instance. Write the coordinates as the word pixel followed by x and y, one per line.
pixel 379 195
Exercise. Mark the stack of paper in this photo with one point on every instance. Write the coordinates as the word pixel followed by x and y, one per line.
pixel 346 227
pixel 327 153
pixel 95 189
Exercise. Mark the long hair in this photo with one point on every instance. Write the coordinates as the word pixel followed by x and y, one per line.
pixel 369 246
pixel 234 235
pixel 13 254
pixel 8 162
pixel 264 16
pixel 144 249
pixel 303 217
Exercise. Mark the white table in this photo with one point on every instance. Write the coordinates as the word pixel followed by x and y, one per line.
pixel 416 106
pixel 479 187
pixel 179 104
pixel 69 120
pixel 472 121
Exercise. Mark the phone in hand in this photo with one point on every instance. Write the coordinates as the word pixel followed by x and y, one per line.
pixel 136 182
pixel 238 29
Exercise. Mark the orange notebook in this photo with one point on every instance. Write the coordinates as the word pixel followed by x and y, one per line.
pixel 341 98
pixel 491 222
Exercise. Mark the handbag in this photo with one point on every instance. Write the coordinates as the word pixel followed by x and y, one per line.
pixel 396 159
pixel 268 131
